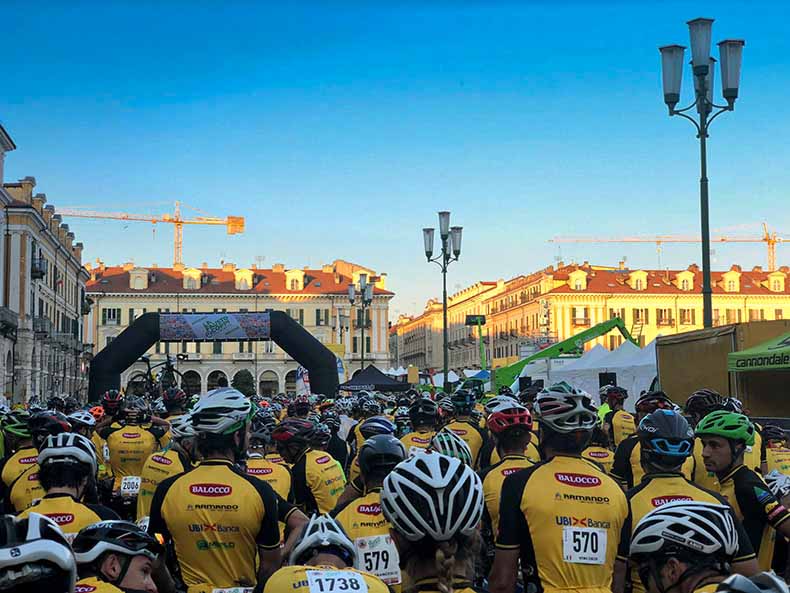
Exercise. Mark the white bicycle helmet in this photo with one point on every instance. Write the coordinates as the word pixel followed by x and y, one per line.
pixel 181 427
pixel 497 400
pixel 35 555
pixel 322 531
pixel 448 443
pixel 121 537
pixel 684 527
pixel 779 483
pixel 763 582
pixel 82 417
pixel 68 447
pixel 434 496
pixel 565 409
pixel 221 411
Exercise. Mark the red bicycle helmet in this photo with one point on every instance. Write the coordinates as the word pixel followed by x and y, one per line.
pixel 111 401
pixel 294 431
pixel 509 416
pixel 174 396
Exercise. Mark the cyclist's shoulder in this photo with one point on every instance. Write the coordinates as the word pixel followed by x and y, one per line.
pixel 102 512
pixel 95 585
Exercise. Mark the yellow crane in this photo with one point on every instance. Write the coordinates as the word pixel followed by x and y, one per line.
pixel 771 239
pixel 233 224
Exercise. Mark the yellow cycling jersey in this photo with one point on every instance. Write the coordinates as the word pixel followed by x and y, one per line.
pixel 418 440
pixel 216 517
pixel 129 447
pixel 354 472
pixel 627 463
pixel 431 585
pixel 102 455
pixel 471 435
pixel 777 458
pixel 156 469
pixel 17 463
pixel 364 523
pixel 489 455
pixel 276 475
pixel 601 455
pixel 656 490
pixel 24 491
pixel 754 455
pixel 621 425
pixel 493 477
pixel 565 516
pixel 69 514
pixel 95 585
pixel 318 481
pixel 275 458
pixel 701 476
pixel 757 508
pixel 314 579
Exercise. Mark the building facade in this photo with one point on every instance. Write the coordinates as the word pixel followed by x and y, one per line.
pixel 316 298
pixel 529 312
pixel 43 291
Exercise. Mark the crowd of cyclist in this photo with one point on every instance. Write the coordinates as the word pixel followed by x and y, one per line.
pixel 543 490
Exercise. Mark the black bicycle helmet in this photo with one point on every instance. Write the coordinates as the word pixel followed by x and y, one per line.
pixel 380 454
pixel 47 423
pixel 294 431
pixel 376 425
pixel 666 439
pixel 119 537
pixel 423 411
pixel 704 401
pixel 261 427
pixel 772 432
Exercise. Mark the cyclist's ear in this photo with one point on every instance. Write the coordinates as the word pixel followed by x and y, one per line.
pixel 400 542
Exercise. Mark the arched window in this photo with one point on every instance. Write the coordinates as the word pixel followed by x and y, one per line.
pixel 730 285
pixel 294 284
pixel 639 285
pixel 684 284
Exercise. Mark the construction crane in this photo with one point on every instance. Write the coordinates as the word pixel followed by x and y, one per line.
pixel 771 239
pixel 233 224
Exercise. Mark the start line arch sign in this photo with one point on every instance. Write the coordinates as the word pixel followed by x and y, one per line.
pixel 212 327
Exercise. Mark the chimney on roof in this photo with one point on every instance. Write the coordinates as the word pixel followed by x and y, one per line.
pixel 621 265
pixel 693 268
pixel 38 202
pixel 49 212
pixel 128 266
pixel 102 267
pixel 77 251
pixel 757 269
pixel 228 267
pixel 204 266
pixel 736 268
pixel 179 267
pixel 154 266
pixel 327 269
pixel 560 264
pixel 278 268
pixel 785 269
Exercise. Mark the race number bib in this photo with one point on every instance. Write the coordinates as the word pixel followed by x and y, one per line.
pixel 233 590
pixel 335 581
pixel 143 523
pixel 130 485
pixel 377 555
pixel 584 545
pixel 106 453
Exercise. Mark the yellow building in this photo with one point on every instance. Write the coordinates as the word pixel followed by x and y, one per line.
pixel 43 292
pixel 530 311
pixel 316 298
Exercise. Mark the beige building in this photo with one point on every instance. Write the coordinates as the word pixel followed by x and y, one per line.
pixel 529 312
pixel 43 292
pixel 316 298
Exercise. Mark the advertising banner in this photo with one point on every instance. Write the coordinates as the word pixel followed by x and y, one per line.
pixel 197 327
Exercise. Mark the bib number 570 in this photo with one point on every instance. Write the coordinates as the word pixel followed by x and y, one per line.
pixel 584 545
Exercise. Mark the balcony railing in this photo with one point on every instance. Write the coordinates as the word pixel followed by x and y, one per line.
pixel 581 321
pixel 243 356
pixel 38 268
pixel 666 322
pixel 42 326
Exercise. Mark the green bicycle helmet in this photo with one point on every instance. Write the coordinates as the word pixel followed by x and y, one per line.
pixel 729 425
pixel 16 424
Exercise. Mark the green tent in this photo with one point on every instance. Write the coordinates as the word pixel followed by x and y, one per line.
pixel 773 355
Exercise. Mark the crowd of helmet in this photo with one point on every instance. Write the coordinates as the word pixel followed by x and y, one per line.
pixel 440 478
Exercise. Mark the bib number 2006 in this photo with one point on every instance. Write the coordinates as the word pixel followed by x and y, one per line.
pixel 584 545
pixel 335 581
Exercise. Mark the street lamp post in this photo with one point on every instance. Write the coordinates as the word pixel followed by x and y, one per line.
pixel 365 299
pixel 451 251
pixel 703 68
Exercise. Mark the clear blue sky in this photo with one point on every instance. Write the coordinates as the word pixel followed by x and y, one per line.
pixel 340 128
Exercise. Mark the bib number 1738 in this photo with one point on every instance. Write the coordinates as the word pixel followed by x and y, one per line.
pixel 335 581
pixel 584 545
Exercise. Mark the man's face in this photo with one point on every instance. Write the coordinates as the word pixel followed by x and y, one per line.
pixel 668 574
pixel 139 575
pixel 716 453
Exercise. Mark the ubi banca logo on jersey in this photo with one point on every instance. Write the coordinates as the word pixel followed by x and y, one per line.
pixel 162 460
pixel 28 460
pixel 210 489
pixel 259 471
pixel 61 518
pixel 581 522
pixel 578 480
pixel 369 509
pixel 322 460
pixel 660 501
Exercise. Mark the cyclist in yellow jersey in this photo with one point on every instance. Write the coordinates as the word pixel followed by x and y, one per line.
pixel 222 524
pixel 777 454
pixel 666 441
pixel 434 504
pixel 322 561
pixel 369 428
pixel 684 546
pixel 462 424
pixel 510 425
pixel 115 557
pixel 277 475
pixel 67 469
pixel 562 518
pixel 725 436
pixel 176 458
pixel 26 488
pixel 366 407
pixel 423 414
pixel 698 405
pixel 35 556
pixel 599 449
pixel 337 447
pixel 317 479
pixel 617 423
pixel 21 454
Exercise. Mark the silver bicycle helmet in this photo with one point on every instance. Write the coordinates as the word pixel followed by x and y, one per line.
pixel 565 409
pixel 763 582
pixel 221 411
pixel 322 531
pixel 448 443
pixel 68 447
